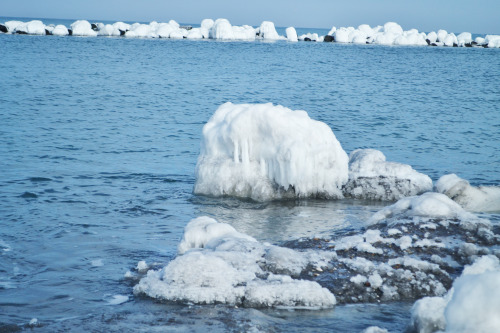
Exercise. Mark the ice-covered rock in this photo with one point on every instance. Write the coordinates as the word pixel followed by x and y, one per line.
pixel 471 305
pixel 266 152
pixel 244 32
pixel 341 35
pixel 34 27
pixel 217 264
pixel 195 33
pixel 393 27
pixel 465 38
pixel 429 205
pixel 432 37
pixel 477 199
pixel 291 34
pixel 82 28
pixel 142 30
pixel 372 177
pixel 268 31
pixel 12 25
pixel 221 29
pixel 441 35
pixel 492 40
pixel 450 40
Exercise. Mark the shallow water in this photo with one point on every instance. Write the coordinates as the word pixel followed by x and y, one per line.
pixel 99 141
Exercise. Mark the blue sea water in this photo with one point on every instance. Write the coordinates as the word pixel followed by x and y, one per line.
pixel 99 139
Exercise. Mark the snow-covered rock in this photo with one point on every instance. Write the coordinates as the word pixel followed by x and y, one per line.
pixel 217 264
pixel 268 31
pixel 372 177
pixel 266 152
pixel 291 34
pixel 478 199
pixel 82 28
pixel 30 28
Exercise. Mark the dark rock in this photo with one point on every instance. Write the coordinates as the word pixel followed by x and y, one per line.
pixel 455 45
pixel 328 39
pixel 428 41
pixel 3 28
pixel 307 39
pixel 433 44
pixel 468 44
pixel 473 43
pixel 47 32
pixel 70 32
pixel 94 27
pixel 122 32
pixel 21 32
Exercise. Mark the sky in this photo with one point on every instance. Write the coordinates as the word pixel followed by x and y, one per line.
pixel 480 16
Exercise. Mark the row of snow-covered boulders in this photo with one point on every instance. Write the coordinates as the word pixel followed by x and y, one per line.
pixel 389 34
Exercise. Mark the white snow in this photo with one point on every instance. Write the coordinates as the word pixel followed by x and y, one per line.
pixel 291 34
pixel 430 204
pixel 60 30
pixel 265 152
pixel 476 199
pixel 222 29
pixel 217 264
pixel 82 28
pixel 142 266
pixel 471 305
pixel 268 31
pixel 372 177
pixel 12 25
pixel 464 38
pixel 31 28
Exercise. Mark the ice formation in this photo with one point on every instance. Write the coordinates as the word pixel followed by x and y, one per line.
pixel 30 28
pixel 291 34
pixel 217 264
pixel 82 28
pixel 372 177
pixel 389 34
pixel 266 152
pixel 477 199
pixel 471 305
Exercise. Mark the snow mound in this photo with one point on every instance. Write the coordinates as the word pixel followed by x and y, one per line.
pixel 31 28
pixel 291 34
pixel 428 205
pixel 471 305
pixel 217 264
pixel 266 152
pixel 60 30
pixel 372 177
pixel 268 31
pixel 476 199
pixel 82 28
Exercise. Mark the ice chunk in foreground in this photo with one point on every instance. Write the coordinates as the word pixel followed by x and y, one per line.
pixel 477 199
pixel 82 28
pixel 471 305
pixel 372 177
pixel 266 152
pixel 217 264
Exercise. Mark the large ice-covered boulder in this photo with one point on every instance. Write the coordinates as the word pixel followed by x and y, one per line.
pixel 477 199
pixel 60 30
pixel 267 152
pixel 82 28
pixel 372 177
pixel 217 264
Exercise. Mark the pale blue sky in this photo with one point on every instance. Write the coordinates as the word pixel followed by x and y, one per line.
pixel 480 16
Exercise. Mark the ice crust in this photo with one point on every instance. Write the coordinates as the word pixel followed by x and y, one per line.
pixel 471 305
pixel 372 177
pixel 217 264
pixel 267 152
pixel 477 199
pixel 389 34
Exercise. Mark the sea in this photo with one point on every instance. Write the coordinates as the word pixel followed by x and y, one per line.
pixel 99 139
